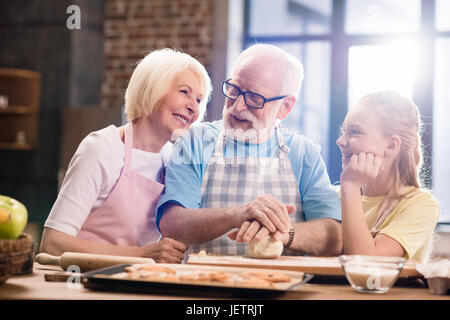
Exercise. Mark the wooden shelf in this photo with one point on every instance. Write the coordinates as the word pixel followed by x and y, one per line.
pixel 18 110
pixel 20 73
pixel 17 146
pixel 19 120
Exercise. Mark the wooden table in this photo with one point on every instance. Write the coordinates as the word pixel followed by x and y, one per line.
pixel 34 287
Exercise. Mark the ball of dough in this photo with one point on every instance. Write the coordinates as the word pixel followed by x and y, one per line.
pixel 266 248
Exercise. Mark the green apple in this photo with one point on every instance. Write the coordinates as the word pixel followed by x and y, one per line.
pixel 13 218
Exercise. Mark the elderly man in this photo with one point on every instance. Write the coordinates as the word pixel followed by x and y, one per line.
pixel 243 177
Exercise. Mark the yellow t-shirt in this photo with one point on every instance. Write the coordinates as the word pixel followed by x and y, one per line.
pixel 411 223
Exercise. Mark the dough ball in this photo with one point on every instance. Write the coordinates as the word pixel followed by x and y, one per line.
pixel 266 248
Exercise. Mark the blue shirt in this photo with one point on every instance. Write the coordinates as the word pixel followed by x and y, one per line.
pixel 191 154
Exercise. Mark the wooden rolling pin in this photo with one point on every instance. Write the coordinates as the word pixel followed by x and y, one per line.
pixel 88 261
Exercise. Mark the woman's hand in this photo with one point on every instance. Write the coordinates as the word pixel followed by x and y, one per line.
pixel 167 250
pixel 361 169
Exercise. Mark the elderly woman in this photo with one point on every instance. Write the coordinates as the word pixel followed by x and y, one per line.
pixel 107 201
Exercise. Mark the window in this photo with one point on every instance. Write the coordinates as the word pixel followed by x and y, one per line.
pixel 382 16
pixel 441 134
pixel 442 15
pixel 398 45
pixel 289 17
pixel 441 109
pixel 382 67
pixel 310 114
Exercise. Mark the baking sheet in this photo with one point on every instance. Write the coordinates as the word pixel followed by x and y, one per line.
pixel 102 280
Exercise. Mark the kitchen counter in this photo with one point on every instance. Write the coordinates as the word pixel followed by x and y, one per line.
pixel 33 286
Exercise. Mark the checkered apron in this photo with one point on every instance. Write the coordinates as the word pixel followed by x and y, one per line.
pixel 239 180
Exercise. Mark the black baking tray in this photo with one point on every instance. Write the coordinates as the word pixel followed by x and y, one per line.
pixel 99 280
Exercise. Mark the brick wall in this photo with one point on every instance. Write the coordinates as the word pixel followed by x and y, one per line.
pixel 134 27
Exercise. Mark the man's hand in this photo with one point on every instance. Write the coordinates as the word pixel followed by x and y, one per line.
pixel 167 250
pixel 361 169
pixel 268 211
pixel 254 229
pixel 249 234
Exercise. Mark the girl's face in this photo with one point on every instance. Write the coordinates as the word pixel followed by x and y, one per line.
pixel 179 108
pixel 361 132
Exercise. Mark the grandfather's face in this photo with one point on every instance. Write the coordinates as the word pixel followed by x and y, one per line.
pixel 259 77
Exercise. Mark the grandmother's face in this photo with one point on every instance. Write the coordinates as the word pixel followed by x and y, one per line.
pixel 259 76
pixel 179 108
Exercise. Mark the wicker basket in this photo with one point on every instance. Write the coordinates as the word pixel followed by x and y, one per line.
pixel 13 254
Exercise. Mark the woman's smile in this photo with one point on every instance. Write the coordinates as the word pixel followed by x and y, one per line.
pixel 182 119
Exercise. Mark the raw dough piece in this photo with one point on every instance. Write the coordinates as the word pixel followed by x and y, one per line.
pixel 266 248
pixel 202 254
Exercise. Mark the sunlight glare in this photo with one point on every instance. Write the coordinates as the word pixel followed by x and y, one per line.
pixel 383 67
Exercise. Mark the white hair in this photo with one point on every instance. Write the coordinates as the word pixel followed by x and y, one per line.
pixel 153 76
pixel 290 69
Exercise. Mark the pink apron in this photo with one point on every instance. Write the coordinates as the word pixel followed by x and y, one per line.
pixel 127 217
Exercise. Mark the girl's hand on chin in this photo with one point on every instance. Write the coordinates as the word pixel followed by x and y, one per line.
pixel 361 169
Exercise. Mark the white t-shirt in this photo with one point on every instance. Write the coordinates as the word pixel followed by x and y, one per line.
pixel 92 174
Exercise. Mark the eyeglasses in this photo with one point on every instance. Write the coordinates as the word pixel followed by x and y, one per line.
pixel 251 99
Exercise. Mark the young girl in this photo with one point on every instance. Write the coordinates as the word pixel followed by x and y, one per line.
pixel 384 209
